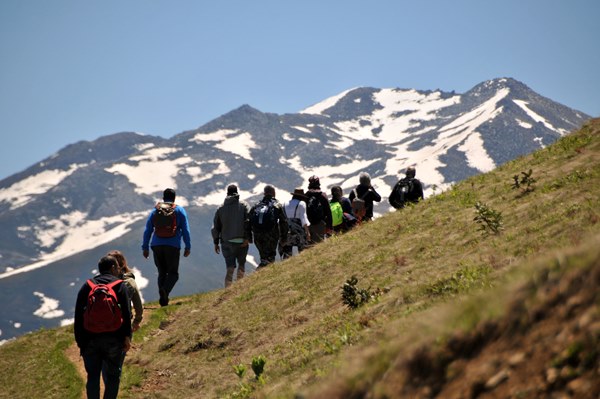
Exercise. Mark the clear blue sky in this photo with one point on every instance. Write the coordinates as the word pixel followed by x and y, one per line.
pixel 75 70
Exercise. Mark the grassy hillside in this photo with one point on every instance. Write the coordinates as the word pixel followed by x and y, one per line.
pixel 455 309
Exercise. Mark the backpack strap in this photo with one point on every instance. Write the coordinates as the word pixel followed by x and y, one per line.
pixel 296 210
pixel 362 197
pixel 112 284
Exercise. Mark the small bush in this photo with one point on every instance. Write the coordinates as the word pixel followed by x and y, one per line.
pixel 524 182
pixel 489 220
pixel 353 297
pixel 258 366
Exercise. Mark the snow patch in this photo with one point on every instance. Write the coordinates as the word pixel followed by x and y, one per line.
pixel 152 174
pixel 76 234
pixel 24 191
pixel 538 118
pixel 302 129
pixel 325 104
pixel 49 307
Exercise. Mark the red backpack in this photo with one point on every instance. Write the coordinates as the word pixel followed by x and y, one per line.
pixel 102 313
pixel 165 220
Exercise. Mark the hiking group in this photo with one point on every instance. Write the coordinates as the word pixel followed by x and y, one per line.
pixel 306 219
pixel 104 321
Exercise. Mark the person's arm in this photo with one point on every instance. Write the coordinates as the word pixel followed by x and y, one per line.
pixel 420 191
pixel 81 335
pixel 125 305
pixel 283 223
pixel 375 194
pixel 247 225
pixel 185 231
pixel 327 208
pixel 147 235
pixel 215 231
pixel 138 307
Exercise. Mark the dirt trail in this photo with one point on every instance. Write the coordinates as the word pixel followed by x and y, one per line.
pixel 72 353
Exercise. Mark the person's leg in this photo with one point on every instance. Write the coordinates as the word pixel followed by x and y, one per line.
pixel 261 243
pixel 111 367
pixel 286 251
pixel 241 254
pixel 270 248
pixel 92 361
pixel 228 251
pixel 161 266
pixel 317 231
pixel 172 265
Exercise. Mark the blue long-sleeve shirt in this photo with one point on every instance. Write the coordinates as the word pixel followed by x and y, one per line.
pixel 183 231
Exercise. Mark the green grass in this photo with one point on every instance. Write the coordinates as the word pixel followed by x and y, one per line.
pixel 35 366
pixel 422 259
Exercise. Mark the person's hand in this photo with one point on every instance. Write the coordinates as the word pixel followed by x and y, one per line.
pixel 146 253
pixel 135 327
pixel 245 243
pixel 217 249
pixel 126 344
pixel 186 253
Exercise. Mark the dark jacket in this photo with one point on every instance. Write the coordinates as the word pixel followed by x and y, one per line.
pixel 414 194
pixel 232 220
pixel 369 195
pixel 327 218
pixel 82 336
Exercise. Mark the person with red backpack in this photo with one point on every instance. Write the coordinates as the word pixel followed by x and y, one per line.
pixel 103 328
pixel 167 225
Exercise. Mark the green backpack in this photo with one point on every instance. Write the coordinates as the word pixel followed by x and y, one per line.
pixel 337 213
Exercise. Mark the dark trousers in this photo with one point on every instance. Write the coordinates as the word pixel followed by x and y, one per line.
pixel 317 231
pixel 166 259
pixel 234 252
pixel 266 243
pixel 103 355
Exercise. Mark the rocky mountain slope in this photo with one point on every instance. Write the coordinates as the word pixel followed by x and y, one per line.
pixel 430 301
pixel 63 213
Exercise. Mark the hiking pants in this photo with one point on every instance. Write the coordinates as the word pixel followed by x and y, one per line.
pixel 317 231
pixel 103 355
pixel 267 247
pixel 166 259
pixel 234 252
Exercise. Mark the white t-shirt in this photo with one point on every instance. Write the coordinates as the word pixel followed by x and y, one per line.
pixel 290 207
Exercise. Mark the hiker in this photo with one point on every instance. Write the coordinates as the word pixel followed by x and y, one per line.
pixel 133 291
pixel 362 198
pixel 103 333
pixel 269 226
pixel 298 232
pixel 408 190
pixel 167 225
pixel 341 211
pixel 231 228
pixel 318 211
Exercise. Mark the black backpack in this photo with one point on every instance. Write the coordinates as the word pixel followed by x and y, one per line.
pixel 314 207
pixel 403 192
pixel 263 216
pixel 165 220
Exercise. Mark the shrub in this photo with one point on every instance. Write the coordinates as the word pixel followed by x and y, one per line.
pixel 489 219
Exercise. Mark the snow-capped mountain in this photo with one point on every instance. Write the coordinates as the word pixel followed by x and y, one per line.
pixel 62 214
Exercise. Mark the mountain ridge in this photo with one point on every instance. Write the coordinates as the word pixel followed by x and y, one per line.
pixel 451 309
pixel 97 194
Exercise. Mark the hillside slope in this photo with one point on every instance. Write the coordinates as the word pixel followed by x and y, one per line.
pixel 458 312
